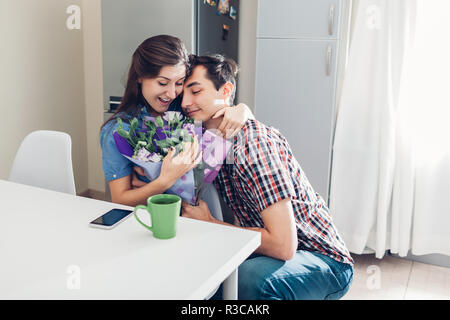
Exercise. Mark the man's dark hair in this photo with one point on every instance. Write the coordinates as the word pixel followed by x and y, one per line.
pixel 219 70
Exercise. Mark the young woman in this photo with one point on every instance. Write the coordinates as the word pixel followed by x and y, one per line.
pixel 155 81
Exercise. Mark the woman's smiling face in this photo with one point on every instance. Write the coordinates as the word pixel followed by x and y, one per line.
pixel 163 89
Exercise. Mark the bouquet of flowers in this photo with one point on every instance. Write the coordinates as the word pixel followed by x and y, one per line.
pixel 147 146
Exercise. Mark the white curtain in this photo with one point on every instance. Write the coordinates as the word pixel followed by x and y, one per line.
pixel 390 180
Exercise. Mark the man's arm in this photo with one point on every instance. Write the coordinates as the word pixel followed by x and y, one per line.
pixel 279 235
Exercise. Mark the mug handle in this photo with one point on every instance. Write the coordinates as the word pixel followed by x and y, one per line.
pixel 139 220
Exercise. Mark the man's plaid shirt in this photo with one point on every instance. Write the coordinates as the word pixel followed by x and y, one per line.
pixel 261 170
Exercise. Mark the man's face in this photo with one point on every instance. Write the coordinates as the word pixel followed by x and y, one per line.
pixel 201 100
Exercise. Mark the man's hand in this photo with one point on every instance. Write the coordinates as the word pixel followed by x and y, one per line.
pixel 135 182
pixel 200 212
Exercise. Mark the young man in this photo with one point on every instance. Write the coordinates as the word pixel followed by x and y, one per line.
pixel 301 254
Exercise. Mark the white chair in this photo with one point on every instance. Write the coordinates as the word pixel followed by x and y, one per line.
pixel 44 160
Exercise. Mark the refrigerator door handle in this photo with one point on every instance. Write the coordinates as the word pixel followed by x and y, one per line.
pixel 331 20
pixel 328 70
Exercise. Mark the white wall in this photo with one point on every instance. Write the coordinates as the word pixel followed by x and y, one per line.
pixel 93 86
pixel 42 80
pixel 247 51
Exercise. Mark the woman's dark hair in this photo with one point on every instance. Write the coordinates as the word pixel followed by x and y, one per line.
pixel 219 69
pixel 149 58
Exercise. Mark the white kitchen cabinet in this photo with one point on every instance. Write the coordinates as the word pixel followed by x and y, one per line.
pixel 298 19
pixel 295 89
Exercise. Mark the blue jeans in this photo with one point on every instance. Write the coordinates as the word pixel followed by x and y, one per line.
pixel 307 276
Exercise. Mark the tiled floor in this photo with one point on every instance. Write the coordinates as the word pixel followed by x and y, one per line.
pixel 393 278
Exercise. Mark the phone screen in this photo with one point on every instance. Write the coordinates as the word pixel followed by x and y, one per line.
pixel 111 217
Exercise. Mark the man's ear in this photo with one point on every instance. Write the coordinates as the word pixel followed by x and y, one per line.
pixel 227 90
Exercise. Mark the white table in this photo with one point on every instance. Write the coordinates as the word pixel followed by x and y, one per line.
pixel 48 251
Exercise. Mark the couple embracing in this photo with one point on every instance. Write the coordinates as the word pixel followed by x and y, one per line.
pixel 301 255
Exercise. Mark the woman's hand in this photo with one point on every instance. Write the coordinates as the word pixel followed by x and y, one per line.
pixel 234 119
pixel 129 190
pixel 174 167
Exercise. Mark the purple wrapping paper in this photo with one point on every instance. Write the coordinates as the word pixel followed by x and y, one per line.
pixel 122 145
pixel 183 187
pixel 214 149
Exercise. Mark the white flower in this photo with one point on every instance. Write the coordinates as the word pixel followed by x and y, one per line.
pixel 146 156
pixel 169 116
pixel 142 154
pixel 154 157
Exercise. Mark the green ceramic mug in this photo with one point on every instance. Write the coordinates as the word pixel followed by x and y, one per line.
pixel 164 210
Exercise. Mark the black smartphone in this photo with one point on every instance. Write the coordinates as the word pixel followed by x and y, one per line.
pixel 110 219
